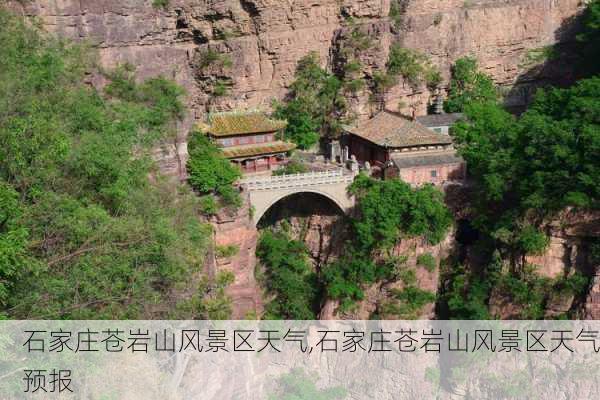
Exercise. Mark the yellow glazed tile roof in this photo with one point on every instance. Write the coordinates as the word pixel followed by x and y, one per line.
pixel 241 123
pixel 249 150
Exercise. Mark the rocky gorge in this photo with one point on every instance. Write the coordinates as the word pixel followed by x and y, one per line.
pixel 263 40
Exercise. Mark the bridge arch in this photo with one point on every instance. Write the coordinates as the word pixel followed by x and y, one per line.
pixel 265 207
pixel 264 192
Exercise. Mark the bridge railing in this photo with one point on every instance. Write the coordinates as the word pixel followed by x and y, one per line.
pixel 297 180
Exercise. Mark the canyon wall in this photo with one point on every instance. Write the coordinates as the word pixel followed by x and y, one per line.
pixel 264 39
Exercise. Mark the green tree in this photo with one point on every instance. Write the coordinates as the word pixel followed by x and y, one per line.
pixel 387 211
pixel 298 385
pixel 526 169
pixel 413 66
pixel 408 302
pixel 589 39
pixel 293 167
pixel 302 127
pixel 315 104
pixel 209 171
pixel 13 240
pixel 288 277
pixel 160 3
pixel 468 85
pixel 468 294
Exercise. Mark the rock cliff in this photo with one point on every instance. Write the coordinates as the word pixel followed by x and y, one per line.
pixel 257 44
pixel 264 39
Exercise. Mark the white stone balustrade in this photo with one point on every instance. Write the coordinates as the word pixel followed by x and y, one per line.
pixel 298 180
pixel 266 191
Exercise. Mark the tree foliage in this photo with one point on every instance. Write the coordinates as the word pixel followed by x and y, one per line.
pixel 391 209
pixel 387 212
pixel 289 277
pixel 589 40
pixel 13 240
pixel 298 385
pixel 292 167
pixel 84 232
pixel 315 104
pixel 528 168
pixel 413 66
pixel 210 172
pixel 468 85
pixel 467 295
pixel 408 302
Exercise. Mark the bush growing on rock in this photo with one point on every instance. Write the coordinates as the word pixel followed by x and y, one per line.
pixel 468 85
pixel 210 172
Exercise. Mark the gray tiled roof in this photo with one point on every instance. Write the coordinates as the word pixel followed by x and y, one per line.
pixel 393 130
pixel 439 119
pixel 406 160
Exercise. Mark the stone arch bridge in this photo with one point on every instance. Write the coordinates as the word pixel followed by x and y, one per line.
pixel 264 192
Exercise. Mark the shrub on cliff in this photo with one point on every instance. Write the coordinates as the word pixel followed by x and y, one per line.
pixel 209 171
pixel 288 277
pixel 528 168
pixel 468 85
pixel 387 211
pixel 293 167
pixel 160 3
pixel 315 105
pixel 13 240
pixel 413 66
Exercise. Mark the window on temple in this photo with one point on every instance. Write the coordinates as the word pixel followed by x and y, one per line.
pixel 434 174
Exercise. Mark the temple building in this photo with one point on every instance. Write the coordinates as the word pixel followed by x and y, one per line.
pixel 392 145
pixel 249 139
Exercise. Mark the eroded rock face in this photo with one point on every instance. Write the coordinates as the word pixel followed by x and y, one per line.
pixel 571 234
pixel 264 39
pixel 237 230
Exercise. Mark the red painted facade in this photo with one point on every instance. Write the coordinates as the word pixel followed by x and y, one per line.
pixel 266 163
pixel 246 139
pixel 380 157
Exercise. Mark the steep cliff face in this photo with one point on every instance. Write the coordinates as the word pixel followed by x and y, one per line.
pixel 573 236
pixel 264 39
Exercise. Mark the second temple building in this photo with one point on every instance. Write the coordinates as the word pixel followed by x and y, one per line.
pixel 395 146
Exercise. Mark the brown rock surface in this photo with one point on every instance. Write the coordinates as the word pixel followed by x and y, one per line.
pixel 266 38
pixel 239 231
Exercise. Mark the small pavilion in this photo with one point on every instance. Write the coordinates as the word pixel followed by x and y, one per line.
pixel 250 140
